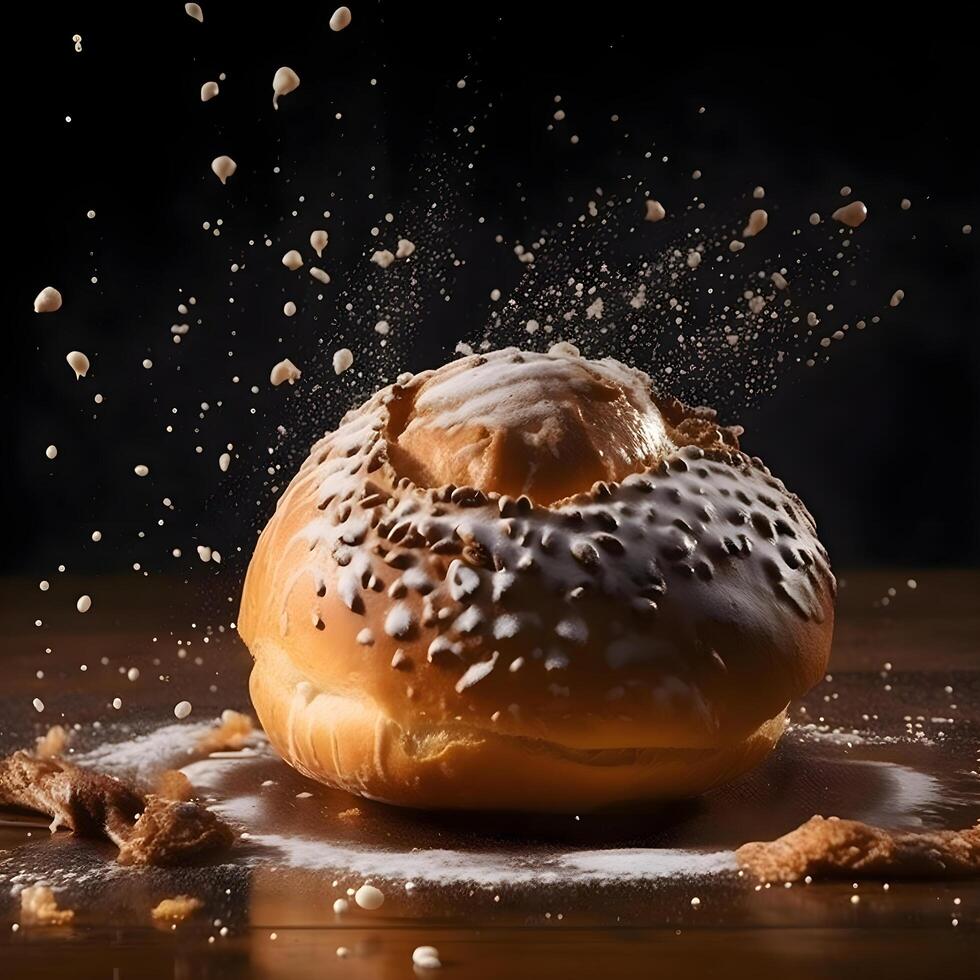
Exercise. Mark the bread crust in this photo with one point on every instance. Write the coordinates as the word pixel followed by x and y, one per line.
pixel 456 646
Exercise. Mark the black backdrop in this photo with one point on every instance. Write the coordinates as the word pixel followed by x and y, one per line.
pixel 881 441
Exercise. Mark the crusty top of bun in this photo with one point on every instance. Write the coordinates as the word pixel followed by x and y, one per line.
pixel 680 601
pixel 542 426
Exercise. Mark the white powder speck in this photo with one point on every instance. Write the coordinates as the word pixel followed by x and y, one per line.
pixel 369 897
pixel 182 709
pixel 84 603
pixel 426 958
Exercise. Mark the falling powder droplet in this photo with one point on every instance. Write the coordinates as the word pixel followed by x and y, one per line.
pixel 48 300
pixel 342 360
pixel 655 211
pixel 182 709
pixel 405 248
pixel 318 242
pixel 289 309
pixel 340 19
pixel 852 214
pixel 141 470
pixel 223 167
pixel 51 452
pixel 292 259
pixel 285 370
pixel 208 91
pixel 84 603
pixel 758 220
pixel 194 10
pixel 897 297
pixel 284 82
pixel 224 461
pixel 79 363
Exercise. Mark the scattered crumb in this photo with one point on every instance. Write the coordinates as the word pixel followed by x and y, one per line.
pixel 835 848
pixel 231 734
pixel 172 784
pixel 38 907
pixel 176 909
pixel 53 743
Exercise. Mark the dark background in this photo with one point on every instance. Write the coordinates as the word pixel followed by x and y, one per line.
pixel 881 441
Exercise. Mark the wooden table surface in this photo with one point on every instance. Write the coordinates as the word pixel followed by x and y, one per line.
pixel 892 733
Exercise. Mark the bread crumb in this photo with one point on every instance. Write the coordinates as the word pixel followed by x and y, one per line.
pixel 176 909
pixel 232 734
pixel 833 848
pixel 53 743
pixel 38 907
pixel 354 813
pixel 172 784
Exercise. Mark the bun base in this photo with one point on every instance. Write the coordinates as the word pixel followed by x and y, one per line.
pixel 345 740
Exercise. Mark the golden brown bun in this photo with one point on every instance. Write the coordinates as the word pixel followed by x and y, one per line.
pixel 461 647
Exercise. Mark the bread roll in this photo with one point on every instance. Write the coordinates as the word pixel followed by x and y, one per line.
pixel 527 581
